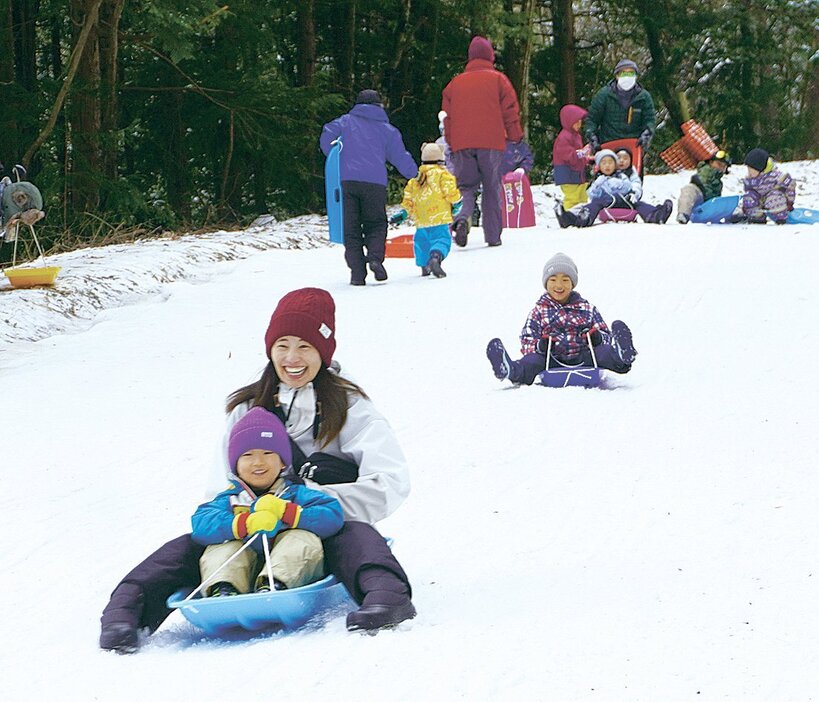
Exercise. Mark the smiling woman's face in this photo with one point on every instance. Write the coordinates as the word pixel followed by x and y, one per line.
pixel 296 361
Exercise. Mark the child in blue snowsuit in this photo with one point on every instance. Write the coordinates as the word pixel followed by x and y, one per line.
pixel 613 189
pixel 429 199
pixel 369 141
pixel 259 500
pixel 560 326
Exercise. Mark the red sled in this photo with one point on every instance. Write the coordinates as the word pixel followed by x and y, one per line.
pixel 518 205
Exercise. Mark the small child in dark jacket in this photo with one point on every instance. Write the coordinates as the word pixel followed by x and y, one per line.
pixel 705 184
pixel 259 500
pixel 769 191
pixel 561 325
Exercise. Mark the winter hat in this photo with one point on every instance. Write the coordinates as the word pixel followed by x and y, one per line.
pixel 431 153
pixel 481 48
pixel 757 159
pixel 625 65
pixel 369 97
pixel 258 429
pixel 600 155
pixel 308 313
pixel 560 263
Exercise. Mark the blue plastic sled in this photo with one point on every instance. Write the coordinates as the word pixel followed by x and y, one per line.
pixel 563 376
pixel 802 215
pixel 285 609
pixel 332 192
pixel 717 210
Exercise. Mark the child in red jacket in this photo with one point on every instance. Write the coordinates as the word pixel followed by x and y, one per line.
pixel 569 157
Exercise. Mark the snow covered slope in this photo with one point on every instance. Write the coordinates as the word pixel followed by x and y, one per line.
pixel 653 541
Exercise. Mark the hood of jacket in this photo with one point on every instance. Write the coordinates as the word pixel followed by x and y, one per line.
pixel 373 112
pixel 481 48
pixel 569 114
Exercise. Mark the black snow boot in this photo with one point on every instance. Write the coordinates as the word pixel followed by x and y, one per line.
pixel 378 270
pixel 121 620
pixel 565 218
pixel 386 601
pixel 434 264
pixel 461 232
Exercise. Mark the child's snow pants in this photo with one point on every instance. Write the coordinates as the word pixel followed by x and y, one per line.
pixel 527 369
pixel 574 194
pixel 428 239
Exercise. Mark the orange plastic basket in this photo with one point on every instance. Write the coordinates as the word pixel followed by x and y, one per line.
pixel 695 146
pixel 400 247
pixel 677 157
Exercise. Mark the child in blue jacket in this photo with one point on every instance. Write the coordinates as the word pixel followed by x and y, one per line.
pixel 258 500
pixel 560 326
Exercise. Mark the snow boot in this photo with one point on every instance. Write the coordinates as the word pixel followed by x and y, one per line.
pixel 120 621
pixel 622 342
pixel 120 637
pixel 222 589
pixel 378 270
pixel 682 218
pixel 434 264
pixel 501 363
pixel 461 232
pixel 357 281
pixel 565 219
pixel 386 601
pixel 263 585
pixel 425 271
pixel 661 213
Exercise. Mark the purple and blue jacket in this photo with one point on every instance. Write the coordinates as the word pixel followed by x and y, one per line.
pixel 369 141
pixel 566 323
pixel 772 192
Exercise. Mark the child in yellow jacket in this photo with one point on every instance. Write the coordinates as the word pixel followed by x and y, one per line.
pixel 429 199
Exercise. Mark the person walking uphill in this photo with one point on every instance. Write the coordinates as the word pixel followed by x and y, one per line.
pixel 369 142
pixel 623 109
pixel 482 114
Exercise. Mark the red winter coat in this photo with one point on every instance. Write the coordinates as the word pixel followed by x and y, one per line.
pixel 569 168
pixel 482 109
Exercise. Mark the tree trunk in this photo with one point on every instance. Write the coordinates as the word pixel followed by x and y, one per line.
pixel 177 173
pixel 563 37
pixel 306 49
pixel 518 53
pixel 110 14
pixel 84 110
pixel 345 49
pixel 24 13
pixel 9 138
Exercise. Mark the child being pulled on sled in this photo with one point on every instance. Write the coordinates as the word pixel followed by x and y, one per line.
pixel 429 199
pixel 705 184
pixel 570 157
pixel 613 189
pixel 259 500
pixel 561 325
pixel 769 191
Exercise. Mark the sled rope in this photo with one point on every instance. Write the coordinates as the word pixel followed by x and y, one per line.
pixel 221 567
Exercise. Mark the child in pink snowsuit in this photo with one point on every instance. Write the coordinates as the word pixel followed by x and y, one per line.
pixel 570 157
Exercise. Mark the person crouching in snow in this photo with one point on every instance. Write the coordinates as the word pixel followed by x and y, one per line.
pixel 259 499
pixel 613 189
pixel 570 157
pixel 558 325
pixel 769 192
pixel 705 184
pixel 429 199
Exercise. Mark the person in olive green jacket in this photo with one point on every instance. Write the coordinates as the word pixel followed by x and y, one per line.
pixel 705 184
pixel 623 109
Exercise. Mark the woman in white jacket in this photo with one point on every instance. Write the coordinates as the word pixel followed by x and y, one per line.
pixel 341 446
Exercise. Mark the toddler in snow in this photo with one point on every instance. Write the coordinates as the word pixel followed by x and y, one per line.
pixel 613 188
pixel 429 199
pixel 768 190
pixel 705 184
pixel 561 325
pixel 570 157
pixel 259 500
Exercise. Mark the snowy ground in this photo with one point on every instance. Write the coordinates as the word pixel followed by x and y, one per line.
pixel 654 541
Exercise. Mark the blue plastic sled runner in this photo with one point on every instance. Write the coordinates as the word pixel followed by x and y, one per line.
pixel 283 609
pixel 562 375
pixel 332 193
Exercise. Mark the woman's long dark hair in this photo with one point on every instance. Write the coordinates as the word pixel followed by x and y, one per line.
pixel 331 397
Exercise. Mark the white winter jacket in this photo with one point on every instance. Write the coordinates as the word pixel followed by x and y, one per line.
pixel 366 439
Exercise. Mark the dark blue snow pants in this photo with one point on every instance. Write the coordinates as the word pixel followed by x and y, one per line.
pixel 365 225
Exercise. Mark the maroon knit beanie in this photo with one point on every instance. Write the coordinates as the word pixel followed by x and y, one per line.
pixel 258 429
pixel 481 48
pixel 308 313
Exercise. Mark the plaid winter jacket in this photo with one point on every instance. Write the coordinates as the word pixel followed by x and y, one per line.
pixel 565 323
pixel 772 192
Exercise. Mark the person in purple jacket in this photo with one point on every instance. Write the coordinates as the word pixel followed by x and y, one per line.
pixel 560 327
pixel 369 142
pixel 259 500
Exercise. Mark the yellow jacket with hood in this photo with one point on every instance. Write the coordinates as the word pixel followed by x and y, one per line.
pixel 430 204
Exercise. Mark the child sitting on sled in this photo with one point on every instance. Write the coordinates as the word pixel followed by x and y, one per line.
pixel 561 325
pixel 570 157
pixel 613 189
pixel 429 199
pixel 259 500
pixel 769 192
pixel 705 184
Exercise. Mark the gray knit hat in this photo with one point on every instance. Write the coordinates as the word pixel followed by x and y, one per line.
pixel 560 263
pixel 600 155
pixel 624 65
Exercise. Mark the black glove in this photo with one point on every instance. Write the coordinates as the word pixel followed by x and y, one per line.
pixel 594 142
pixel 737 218
pixel 542 346
pixel 644 139
pixel 325 469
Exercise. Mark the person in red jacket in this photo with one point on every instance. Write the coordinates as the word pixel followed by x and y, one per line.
pixel 482 113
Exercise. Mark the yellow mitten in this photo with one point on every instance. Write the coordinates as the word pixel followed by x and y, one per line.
pixel 247 523
pixel 270 503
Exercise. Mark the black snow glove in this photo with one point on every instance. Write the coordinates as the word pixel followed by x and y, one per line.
pixel 644 139
pixel 325 469
pixel 594 142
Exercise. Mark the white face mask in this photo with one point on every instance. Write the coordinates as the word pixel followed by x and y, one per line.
pixel 626 82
